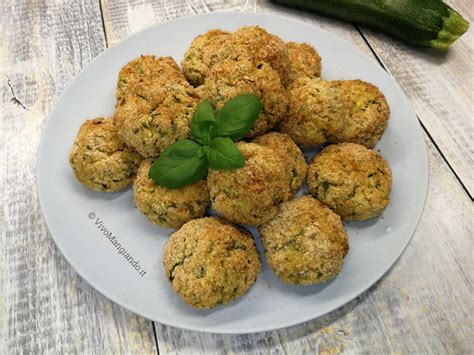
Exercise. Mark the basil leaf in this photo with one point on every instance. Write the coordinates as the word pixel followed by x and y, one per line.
pixel 238 116
pixel 183 148
pixel 179 165
pixel 223 154
pixel 202 122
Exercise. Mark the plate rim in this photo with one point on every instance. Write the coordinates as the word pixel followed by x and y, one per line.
pixel 335 306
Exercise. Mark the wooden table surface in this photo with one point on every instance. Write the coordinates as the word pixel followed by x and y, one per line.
pixel 423 305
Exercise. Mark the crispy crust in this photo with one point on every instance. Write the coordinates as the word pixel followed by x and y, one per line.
pixel 250 195
pixel 100 160
pixel 314 114
pixel 305 243
pixel 168 207
pixel 202 55
pixel 368 113
pixel 256 43
pixel 210 262
pixel 154 104
pixel 295 163
pixel 334 112
pixel 232 77
pixel 355 182
pixel 143 75
pixel 305 62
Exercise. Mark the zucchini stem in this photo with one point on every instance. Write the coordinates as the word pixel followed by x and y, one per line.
pixel 454 26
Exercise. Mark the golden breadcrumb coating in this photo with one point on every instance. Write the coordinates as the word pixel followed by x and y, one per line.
pixel 355 182
pixel 143 75
pixel 334 112
pixel 368 113
pixel 256 43
pixel 305 243
pixel 168 207
pixel 250 195
pixel 305 62
pixel 210 262
pixel 295 163
pixel 154 104
pixel 315 112
pixel 230 78
pixel 202 55
pixel 100 160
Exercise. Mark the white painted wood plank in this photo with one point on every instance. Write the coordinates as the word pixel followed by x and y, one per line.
pixel 124 17
pixel 440 87
pixel 45 307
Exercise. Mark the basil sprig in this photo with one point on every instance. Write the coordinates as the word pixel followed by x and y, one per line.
pixel 187 161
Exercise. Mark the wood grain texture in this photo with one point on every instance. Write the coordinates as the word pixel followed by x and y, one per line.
pixel 123 17
pixel 413 308
pixel 440 87
pixel 45 307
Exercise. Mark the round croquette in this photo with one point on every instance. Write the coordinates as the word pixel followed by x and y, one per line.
pixel 100 160
pixel 210 262
pixel 295 163
pixel 145 73
pixel 315 112
pixel 151 126
pixel 305 243
pixel 232 77
pixel 261 46
pixel 168 207
pixel 305 62
pixel 202 55
pixel 368 112
pixel 355 182
pixel 155 105
pixel 250 195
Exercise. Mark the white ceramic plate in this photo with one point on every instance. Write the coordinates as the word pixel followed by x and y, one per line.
pixel 85 224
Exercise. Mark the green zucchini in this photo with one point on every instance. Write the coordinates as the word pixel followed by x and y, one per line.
pixel 427 23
